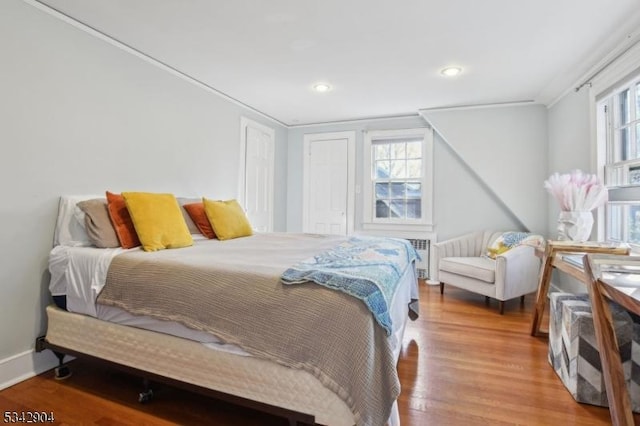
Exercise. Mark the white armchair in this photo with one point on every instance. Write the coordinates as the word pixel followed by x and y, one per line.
pixel 462 262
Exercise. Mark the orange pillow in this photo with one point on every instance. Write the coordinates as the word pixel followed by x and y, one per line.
pixel 199 217
pixel 121 220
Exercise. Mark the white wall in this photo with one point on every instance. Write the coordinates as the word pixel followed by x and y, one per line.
pixel 461 202
pixel 569 149
pixel 506 148
pixel 569 142
pixel 80 116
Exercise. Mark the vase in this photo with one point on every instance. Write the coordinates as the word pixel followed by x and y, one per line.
pixel 575 226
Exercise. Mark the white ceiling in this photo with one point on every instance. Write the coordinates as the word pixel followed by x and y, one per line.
pixel 382 57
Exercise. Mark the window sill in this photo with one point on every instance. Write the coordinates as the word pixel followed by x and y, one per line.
pixel 400 230
pixel 408 227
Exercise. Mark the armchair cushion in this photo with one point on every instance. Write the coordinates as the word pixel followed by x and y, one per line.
pixel 480 268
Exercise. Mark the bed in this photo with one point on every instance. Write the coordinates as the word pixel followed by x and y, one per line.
pixel 286 347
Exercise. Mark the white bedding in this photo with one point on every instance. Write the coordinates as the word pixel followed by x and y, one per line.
pixel 80 274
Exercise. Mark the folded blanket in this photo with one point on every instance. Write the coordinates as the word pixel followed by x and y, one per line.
pixel 509 240
pixel 367 268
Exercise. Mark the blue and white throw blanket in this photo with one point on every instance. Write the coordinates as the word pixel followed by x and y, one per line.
pixel 364 267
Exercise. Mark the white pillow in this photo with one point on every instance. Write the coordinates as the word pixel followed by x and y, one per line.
pixel 70 229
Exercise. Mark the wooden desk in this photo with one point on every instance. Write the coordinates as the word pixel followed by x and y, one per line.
pixel 552 258
pixel 616 278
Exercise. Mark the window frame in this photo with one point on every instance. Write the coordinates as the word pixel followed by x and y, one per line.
pixel 425 222
pixel 622 193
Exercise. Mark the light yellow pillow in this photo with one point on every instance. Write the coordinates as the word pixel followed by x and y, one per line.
pixel 227 219
pixel 158 220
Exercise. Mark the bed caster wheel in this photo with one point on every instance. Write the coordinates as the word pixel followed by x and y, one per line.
pixel 145 396
pixel 63 372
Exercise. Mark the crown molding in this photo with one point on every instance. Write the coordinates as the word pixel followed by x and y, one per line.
pixel 355 120
pixel 529 102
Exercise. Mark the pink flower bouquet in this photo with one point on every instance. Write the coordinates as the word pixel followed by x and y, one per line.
pixel 577 191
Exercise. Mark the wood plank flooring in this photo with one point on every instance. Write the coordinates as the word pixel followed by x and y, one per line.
pixel 462 364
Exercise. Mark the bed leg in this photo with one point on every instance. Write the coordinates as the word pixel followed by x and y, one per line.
pixel 147 394
pixel 62 371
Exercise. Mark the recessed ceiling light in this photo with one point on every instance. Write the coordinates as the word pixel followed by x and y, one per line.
pixel 321 87
pixel 451 71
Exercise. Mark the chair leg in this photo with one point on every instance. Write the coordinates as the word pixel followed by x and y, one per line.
pixel 522 300
pixel 441 287
pixel 487 300
pixel 501 305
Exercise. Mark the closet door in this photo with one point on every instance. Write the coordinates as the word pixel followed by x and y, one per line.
pixel 256 180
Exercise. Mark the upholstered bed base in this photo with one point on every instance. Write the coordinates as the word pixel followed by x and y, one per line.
pixel 190 362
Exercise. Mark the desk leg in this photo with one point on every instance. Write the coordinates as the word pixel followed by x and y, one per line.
pixel 541 298
pixel 617 393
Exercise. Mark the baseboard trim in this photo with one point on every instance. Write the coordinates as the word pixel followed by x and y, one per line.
pixel 25 365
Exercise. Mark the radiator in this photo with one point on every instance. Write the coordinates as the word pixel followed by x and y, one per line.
pixel 422 246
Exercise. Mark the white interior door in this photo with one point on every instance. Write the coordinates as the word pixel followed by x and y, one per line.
pixel 257 166
pixel 328 184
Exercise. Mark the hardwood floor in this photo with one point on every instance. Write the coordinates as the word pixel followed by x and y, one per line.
pixel 462 364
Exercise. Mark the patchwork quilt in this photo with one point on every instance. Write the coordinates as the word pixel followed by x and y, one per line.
pixel 367 268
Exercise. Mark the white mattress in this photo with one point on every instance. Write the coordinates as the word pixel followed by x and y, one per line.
pixel 80 273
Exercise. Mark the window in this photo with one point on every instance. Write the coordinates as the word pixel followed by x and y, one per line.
pixel 619 128
pixel 398 178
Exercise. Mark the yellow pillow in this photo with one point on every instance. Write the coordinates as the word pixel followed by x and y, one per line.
pixel 158 220
pixel 227 219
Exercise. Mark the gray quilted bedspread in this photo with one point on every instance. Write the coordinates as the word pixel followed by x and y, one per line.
pixel 233 290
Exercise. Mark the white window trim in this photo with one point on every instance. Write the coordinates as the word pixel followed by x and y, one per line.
pixel 426 222
pixel 616 171
pixel 601 86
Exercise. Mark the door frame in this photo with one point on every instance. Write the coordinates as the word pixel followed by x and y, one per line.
pixel 242 187
pixel 350 136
